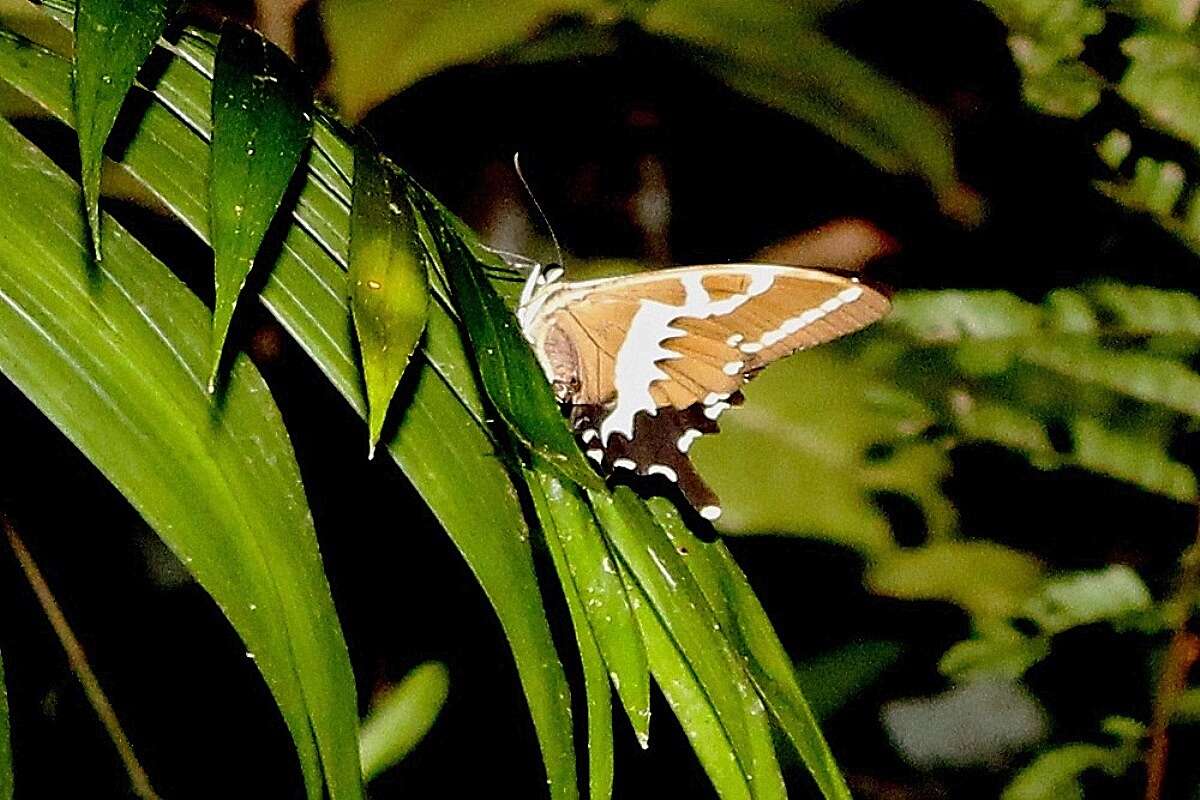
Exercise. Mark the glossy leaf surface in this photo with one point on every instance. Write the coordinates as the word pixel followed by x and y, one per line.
pixel 112 40
pixel 261 125
pixel 389 291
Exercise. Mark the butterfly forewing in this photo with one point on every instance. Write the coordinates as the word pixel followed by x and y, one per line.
pixel 650 361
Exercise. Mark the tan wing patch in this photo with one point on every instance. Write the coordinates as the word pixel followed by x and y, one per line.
pixel 596 322
pixel 796 313
pixel 721 285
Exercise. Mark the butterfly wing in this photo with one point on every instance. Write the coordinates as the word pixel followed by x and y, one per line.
pixel 650 361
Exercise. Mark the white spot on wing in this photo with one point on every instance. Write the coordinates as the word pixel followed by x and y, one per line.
pixel 625 463
pixel 735 340
pixel 596 455
pixel 636 363
pixel 715 397
pixel 685 441
pixel 665 471
pixel 588 435
pixel 733 367
pixel 710 512
pixel 714 411
pixel 794 324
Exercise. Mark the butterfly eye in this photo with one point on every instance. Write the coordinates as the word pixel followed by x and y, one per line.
pixel 565 390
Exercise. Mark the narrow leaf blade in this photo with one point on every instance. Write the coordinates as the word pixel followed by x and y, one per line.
pixel 595 678
pixel 689 702
pixel 261 126
pixel 112 39
pixel 591 569
pixel 453 465
pixel 680 606
pixel 745 621
pixel 389 291
pixel 511 375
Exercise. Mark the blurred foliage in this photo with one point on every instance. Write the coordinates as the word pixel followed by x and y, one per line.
pixel 401 716
pixel 1159 79
pixel 834 678
pixel 379 48
pixel 1056 773
pixel 1115 595
pixel 1096 379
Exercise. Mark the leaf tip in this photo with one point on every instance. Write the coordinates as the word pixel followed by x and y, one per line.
pixel 91 199
pixel 215 368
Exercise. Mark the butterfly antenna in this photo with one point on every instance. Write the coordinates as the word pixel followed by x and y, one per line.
pixel 538 206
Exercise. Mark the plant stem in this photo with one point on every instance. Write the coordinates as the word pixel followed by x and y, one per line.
pixel 1182 654
pixel 77 659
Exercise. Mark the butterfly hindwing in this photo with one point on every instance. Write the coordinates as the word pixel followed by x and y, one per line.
pixel 659 447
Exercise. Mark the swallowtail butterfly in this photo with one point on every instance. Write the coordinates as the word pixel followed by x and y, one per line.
pixel 646 363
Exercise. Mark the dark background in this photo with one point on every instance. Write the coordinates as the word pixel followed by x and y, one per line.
pixel 740 177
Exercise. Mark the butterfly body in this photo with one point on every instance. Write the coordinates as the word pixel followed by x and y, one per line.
pixel 648 362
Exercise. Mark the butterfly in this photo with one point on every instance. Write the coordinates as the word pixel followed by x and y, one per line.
pixel 646 363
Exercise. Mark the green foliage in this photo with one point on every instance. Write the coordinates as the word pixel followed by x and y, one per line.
pixel 510 374
pixel 1009 371
pixel 986 579
pixel 221 488
pixel 583 557
pixel 1115 595
pixel 261 123
pixel 112 39
pixel 1108 365
pixel 1160 82
pixel 450 454
pixel 832 679
pixel 380 47
pixel 548 495
pixel 389 292
pixel 438 442
pixel 819 413
pixel 744 621
pixel 1187 706
pixel 770 50
pixel 401 717
pixel 683 635
pixel 1055 774
pixel 1097 378
pixel 1047 38
pixel 773 51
